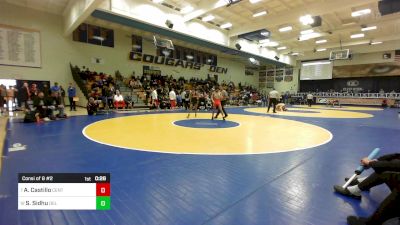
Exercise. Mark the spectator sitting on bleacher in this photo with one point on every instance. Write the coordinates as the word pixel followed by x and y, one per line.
pixel 30 113
pixel 92 107
pixel 40 104
pixel 33 91
pixel 384 103
pixel 55 103
pixel 119 100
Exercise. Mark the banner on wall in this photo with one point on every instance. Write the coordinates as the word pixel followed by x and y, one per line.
pixel 162 60
pixel 367 70
pixel 19 46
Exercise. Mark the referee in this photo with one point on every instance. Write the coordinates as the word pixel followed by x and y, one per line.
pixel 273 99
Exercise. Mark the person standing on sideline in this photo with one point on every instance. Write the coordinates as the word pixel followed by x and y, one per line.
pixel 10 98
pixel 273 99
pixel 172 98
pixel 310 98
pixel 194 101
pixel 71 95
pixel 154 98
pixel 62 94
pixel 24 95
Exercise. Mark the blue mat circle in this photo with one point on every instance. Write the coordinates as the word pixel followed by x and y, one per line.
pixel 206 123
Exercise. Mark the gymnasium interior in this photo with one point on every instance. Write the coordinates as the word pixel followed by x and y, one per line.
pixel 200 112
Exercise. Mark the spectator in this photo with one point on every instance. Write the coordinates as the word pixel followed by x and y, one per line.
pixel 386 170
pixel 55 104
pixel 55 88
pixel 46 90
pixel 40 104
pixel 10 97
pixel 34 91
pixel 71 96
pixel 3 95
pixel 154 98
pixel 172 98
pixel 62 94
pixel 24 95
pixel 92 107
pixel 119 100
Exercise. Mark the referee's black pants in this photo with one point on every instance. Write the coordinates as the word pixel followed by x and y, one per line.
pixel 274 102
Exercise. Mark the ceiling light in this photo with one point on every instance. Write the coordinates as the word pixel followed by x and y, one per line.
pixel 208 18
pixel 357 35
pixel 295 53
pixel 158 1
pixel 285 29
pixel 254 1
pixel 265 33
pixel 305 37
pixel 98 38
pixel 260 14
pixel 361 12
pixel 282 48
pixel 368 28
pixel 321 49
pixel 316 63
pixel 270 44
pixel 263 41
pixel 306 20
pixel 189 57
pixel 321 41
pixel 376 42
pixel 226 25
pixel 187 9
pixel 309 31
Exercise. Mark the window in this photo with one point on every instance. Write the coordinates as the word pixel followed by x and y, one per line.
pixel 96 35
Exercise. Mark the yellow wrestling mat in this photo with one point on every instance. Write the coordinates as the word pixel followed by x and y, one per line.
pixel 249 134
pixel 315 113
pixel 355 108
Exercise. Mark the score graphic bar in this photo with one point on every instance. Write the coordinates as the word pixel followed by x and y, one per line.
pixel 64 191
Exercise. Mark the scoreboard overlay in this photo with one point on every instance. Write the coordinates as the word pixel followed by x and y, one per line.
pixel 64 191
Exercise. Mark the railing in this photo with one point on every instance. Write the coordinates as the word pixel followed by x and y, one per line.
pixel 350 95
pixel 75 74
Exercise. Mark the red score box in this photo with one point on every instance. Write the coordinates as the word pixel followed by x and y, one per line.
pixel 102 189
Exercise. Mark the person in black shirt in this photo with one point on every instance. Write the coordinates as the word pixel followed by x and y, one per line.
pixel 24 95
pixel 55 103
pixel 40 104
pixel 387 170
pixel 92 106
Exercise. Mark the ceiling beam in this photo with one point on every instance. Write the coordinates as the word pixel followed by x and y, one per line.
pixel 77 12
pixel 383 38
pixel 203 8
pixel 381 23
pixel 292 16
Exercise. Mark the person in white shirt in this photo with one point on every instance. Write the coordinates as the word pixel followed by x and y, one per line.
pixel 119 100
pixel 273 99
pixel 154 98
pixel 172 98
pixel 310 99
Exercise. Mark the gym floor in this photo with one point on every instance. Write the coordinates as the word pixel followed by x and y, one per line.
pixel 254 168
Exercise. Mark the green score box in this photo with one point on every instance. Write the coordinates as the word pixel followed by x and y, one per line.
pixel 103 203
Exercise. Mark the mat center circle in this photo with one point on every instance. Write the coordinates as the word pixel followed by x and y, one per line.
pixel 206 123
